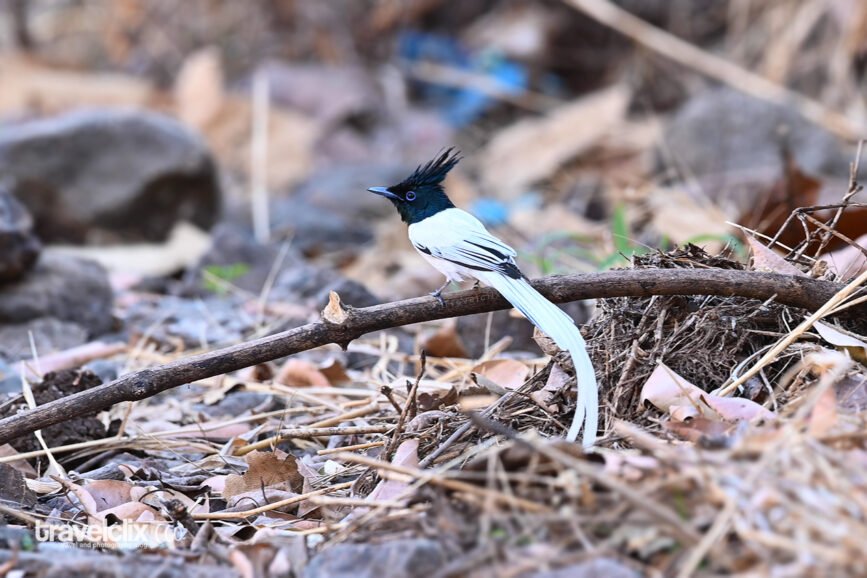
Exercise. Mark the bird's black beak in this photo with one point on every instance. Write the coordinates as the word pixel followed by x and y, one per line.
pixel 383 191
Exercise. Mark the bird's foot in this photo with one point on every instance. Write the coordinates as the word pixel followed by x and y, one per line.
pixel 438 294
pixel 477 285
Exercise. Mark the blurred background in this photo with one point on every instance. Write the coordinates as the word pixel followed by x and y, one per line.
pixel 218 152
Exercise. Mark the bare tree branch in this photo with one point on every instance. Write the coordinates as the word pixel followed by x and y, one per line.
pixel 801 292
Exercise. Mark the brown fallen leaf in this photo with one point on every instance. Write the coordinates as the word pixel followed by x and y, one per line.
pixel 198 90
pixel 848 261
pixel 446 342
pixel 854 344
pixel 428 401
pixel 300 373
pixel 265 469
pixel 766 259
pixel 557 380
pixel 509 374
pixel 558 137
pixel 682 400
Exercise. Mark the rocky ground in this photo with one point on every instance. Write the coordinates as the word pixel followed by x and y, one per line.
pixel 154 206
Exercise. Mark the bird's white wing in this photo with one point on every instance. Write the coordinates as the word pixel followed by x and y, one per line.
pixel 458 237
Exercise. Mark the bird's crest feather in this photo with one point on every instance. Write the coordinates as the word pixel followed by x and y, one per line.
pixel 434 171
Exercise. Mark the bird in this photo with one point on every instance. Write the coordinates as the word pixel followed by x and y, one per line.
pixel 459 246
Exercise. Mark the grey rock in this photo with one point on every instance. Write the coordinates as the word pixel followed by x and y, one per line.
pixel 198 322
pixel 724 132
pixel 396 559
pixel 233 245
pixel 332 209
pixel 49 334
pixel 13 488
pixel 589 569
pixel 66 288
pixel 19 247
pixel 351 293
pixel 121 175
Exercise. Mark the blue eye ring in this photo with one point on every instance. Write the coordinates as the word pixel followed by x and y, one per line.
pixel 410 196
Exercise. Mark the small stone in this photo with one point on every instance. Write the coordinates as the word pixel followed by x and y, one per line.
pixel 65 288
pixel 396 559
pixel 589 569
pixel 19 247
pixel 49 334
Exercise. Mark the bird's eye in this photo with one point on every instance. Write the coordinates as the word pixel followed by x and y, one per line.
pixel 410 196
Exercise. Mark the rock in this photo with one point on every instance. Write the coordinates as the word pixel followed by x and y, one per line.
pixel 589 569
pixel 212 321
pixel 234 248
pixel 19 247
pixel 13 487
pixel 121 175
pixel 352 293
pixel 332 210
pixel 49 334
pixel 724 132
pixel 65 288
pixel 396 559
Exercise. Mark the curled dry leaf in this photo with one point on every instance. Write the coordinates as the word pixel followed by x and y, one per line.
pixel 300 373
pixel 767 260
pixel 405 456
pixel 428 401
pixel 557 380
pixel 854 344
pixel 849 261
pixel 671 393
pixel 265 469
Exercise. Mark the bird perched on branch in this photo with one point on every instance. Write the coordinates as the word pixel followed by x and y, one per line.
pixel 458 245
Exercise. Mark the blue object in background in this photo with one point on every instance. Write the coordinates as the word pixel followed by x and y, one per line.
pixel 460 106
pixel 490 211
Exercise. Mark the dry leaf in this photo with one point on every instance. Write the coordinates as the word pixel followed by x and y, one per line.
pixel 446 342
pixel 671 393
pixel 199 93
pixel 28 86
pixel 855 345
pixel 823 418
pixel 334 311
pixel 335 372
pixel 766 259
pixel 509 166
pixel 300 373
pixel 509 374
pixel 557 380
pixel 848 261
pixel 428 401
pixel 682 218
pixel 405 456
pixel 109 493
pixel 265 469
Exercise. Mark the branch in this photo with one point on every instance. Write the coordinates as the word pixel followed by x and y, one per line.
pixel 801 292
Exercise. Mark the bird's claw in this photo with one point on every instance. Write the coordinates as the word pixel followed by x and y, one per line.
pixel 438 296
pixel 477 285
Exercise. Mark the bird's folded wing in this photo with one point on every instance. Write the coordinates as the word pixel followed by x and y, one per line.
pixel 461 239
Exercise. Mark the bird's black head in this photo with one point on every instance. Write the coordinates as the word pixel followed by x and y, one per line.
pixel 421 194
